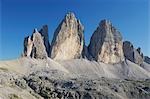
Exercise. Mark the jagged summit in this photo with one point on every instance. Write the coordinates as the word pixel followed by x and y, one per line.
pixel 70 15
pixel 35 30
pixel 106 43
pixel 132 54
pixel 37 46
pixel 68 39
pixel 104 22
pixel 108 27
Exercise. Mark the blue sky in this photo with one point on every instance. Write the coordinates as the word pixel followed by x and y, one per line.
pixel 18 18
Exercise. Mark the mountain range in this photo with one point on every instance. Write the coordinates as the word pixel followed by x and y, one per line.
pixel 66 68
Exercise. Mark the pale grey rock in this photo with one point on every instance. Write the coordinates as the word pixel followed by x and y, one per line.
pixel 147 59
pixel 128 50
pixel 28 44
pixel 132 54
pixel 38 49
pixel 68 40
pixel 34 46
pixel 102 88
pixel 138 56
pixel 44 33
pixel 106 44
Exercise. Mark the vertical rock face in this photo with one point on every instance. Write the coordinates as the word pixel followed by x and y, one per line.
pixel 38 49
pixel 28 44
pixel 128 50
pixel 86 54
pixel 68 39
pixel 34 46
pixel 44 33
pixel 132 54
pixel 106 44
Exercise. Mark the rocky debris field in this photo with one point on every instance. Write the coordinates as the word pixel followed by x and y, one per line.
pixel 37 85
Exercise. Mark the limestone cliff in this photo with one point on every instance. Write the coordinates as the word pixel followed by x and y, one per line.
pixel 132 54
pixel 106 43
pixel 68 40
pixel 34 46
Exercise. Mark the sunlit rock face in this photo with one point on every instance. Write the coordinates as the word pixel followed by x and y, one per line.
pixel 106 44
pixel 34 46
pixel 132 54
pixel 68 40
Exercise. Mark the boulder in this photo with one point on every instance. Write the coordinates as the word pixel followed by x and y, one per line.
pixel 68 40
pixel 106 44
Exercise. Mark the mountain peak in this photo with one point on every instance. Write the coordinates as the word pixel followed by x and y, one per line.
pixel 68 39
pixel 106 43
pixel 35 30
pixel 70 15
pixel 105 22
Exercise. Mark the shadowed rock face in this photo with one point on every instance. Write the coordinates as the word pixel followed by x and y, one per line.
pixel 106 44
pixel 34 46
pixel 68 40
pixel 132 54
pixel 128 50
pixel 44 33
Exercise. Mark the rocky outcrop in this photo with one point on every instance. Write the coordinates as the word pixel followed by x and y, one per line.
pixel 34 46
pixel 106 43
pixel 132 54
pixel 147 59
pixel 38 49
pixel 68 40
